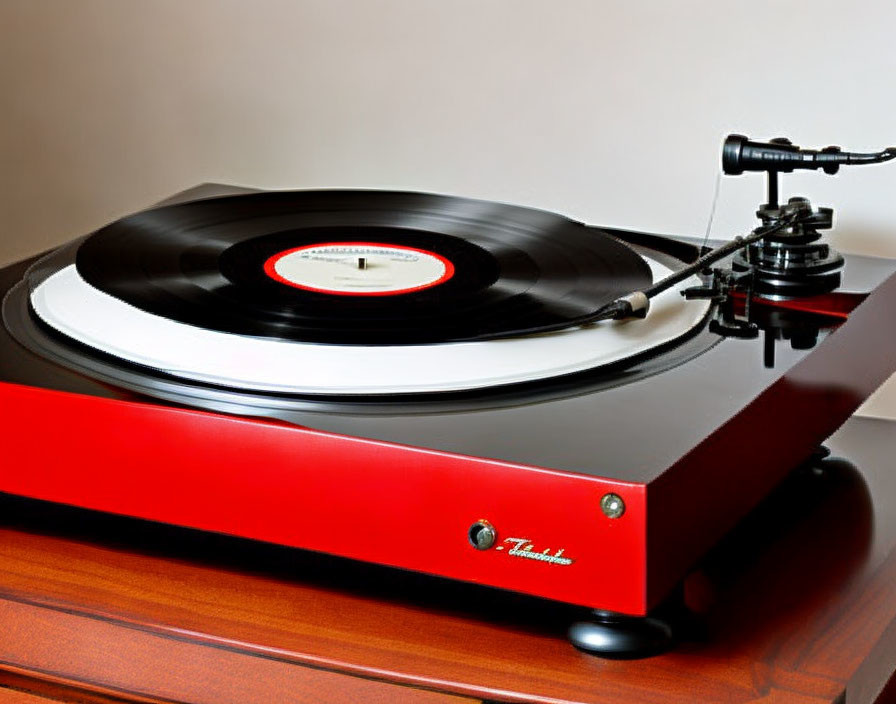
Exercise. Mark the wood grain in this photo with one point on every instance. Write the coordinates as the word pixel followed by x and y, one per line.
pixel 797 605
pixel 122 660
pixel 12 696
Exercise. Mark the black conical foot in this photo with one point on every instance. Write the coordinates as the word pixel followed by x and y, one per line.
pixel 612 635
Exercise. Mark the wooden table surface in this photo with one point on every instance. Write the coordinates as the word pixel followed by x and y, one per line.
pixel 797 605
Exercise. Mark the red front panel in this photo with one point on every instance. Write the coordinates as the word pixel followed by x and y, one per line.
pixel 390 504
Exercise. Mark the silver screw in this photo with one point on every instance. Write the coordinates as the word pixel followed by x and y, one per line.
pixel 612 505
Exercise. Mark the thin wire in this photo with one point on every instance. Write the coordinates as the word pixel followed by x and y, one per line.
pixel 712 210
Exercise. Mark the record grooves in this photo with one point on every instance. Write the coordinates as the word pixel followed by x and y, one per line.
pixel 203 263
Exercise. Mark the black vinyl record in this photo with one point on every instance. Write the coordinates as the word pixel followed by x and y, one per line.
pixel 360 267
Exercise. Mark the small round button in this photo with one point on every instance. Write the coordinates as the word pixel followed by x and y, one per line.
pixel 482 535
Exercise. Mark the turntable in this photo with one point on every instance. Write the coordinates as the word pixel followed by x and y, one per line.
pixel 479 391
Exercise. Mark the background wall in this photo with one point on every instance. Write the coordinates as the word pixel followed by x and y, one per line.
pixel 611 112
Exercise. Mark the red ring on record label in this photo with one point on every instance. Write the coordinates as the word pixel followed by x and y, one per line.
pixel 359 268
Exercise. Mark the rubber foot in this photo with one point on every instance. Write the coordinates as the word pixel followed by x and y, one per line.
pixel 621 637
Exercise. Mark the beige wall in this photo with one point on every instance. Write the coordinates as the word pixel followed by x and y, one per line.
pixel 611 112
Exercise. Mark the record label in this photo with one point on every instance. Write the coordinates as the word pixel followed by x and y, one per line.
pixel 359 268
